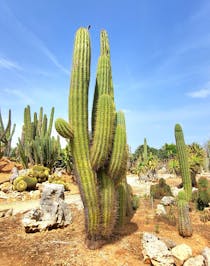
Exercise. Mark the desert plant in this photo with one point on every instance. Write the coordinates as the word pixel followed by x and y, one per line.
pixel 60 179
pixel 183 161
pixel 40 172
pixel 160 190
pixel 36 145
pixel 100 162
pixel 6 134
pixel 203 197
pixel 184 220
pixel 22 183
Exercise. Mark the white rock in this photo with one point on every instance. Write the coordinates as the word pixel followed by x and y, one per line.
pixel 160 210
pixel 156 251
pixel 195 261
pixel 167 200
pixel 206 254
pixel 181 253
pixel 175 191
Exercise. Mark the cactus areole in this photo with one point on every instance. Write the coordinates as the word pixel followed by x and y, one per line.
pixel 100 157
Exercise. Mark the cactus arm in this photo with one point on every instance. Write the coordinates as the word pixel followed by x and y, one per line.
pixel 118 158
pixel 64 128
pixel 78 117
pixel 102 139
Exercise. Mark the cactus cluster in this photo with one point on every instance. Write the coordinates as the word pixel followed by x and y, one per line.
pixel 60 179
pixel 22 183
pixel 36 145
pixel 160 190
pixel 183 161
pixel 184 221
pixel 6 134
pixel 100 158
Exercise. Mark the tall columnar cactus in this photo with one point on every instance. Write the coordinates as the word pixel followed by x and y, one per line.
pixel 145 155
pixel 100 161
pixel 6 134
pixel 183 161
pixel 184 221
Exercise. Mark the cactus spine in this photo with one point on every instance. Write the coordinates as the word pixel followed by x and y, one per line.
pixel 183 161
pixel 184 221
pixel 100 162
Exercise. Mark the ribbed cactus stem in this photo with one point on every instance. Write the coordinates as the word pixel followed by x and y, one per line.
pixel 145 150
pixel 118 160
pixel 184 221
pixel 108 204
pixel 49 130
pixel 102 139
pixel 64 128
pixel 122 204
pixel 183 161
pixel 78 117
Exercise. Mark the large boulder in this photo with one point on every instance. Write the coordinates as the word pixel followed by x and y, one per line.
pixel 181 253
pixel 53 211
pixel 155 251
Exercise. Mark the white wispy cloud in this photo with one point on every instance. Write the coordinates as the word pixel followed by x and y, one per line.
pixel 202 93
pixel 6 63
pixel 33 39
pixel 19 95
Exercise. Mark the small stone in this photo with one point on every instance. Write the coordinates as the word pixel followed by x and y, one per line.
pixel 195 261
pixel 206 255
pixel 167 200
pixel 160 210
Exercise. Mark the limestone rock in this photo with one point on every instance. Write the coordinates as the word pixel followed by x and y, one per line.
pixel 53 211
pixel 181 253
pixel 169 242
pixel 156 251
pixel 195 261
pixel 167 200
pixel 160 210
pixel 175 191
pixel 6 187
pixel 206 255
pixel 6 213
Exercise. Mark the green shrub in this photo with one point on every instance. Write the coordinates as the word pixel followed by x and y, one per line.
pixel 203 193
pixel 160 190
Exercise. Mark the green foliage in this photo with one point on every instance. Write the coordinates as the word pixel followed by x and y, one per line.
pixel 100 157
pixel 203 197
pixel 184 221
pixel 183 161
pixel 159 190
pixel 135 202
pixel 6 134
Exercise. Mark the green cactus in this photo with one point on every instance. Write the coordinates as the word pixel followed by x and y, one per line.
pixel 145 155
pixel 100 162
pixel 184 221
pixel 63 180
pixel 183 161
pixel 6 135
pixel 22 183
pixel 39 172
pixel 36 145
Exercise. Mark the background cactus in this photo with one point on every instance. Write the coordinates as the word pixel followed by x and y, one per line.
pixel 36 145
pixel 6 134
pixel 184 221
pixel 99 161
pixel 183 161
pixel 145 155
pixel 22 183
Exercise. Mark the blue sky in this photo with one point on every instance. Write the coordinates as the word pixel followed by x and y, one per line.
pixel 160 52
